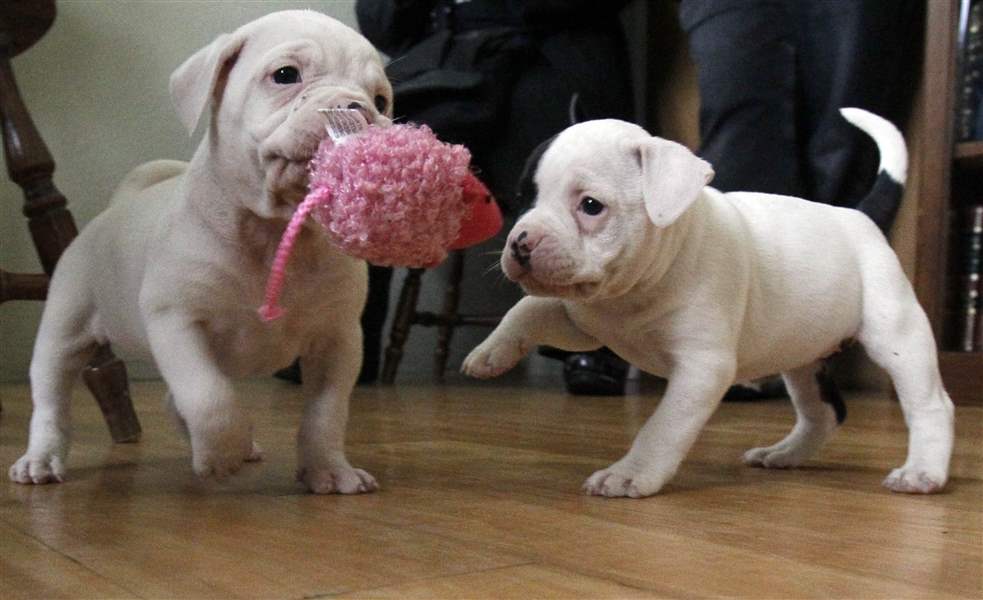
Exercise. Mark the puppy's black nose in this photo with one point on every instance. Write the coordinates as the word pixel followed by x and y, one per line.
pixel 521 251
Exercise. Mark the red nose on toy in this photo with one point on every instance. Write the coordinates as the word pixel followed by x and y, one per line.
pixel 392 196
pixel 483 220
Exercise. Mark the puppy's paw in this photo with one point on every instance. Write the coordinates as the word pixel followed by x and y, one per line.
pixel 774 457
pixel 220 451
pixel 910 480
pixel 620 482
pixel 38 469
pixel 492 358
pixel 337 480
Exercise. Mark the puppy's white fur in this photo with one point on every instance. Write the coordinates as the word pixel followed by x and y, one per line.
pixel 706 288
pixel 174 269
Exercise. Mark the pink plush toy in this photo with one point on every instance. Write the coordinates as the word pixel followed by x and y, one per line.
pixel 390 195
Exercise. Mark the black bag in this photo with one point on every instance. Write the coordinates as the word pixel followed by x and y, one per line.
pixel 458 84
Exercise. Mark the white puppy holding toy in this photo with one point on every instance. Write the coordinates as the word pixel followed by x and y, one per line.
pixel 627 247
pixel 175 268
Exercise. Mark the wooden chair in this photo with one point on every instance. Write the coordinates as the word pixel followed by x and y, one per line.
pixel 29 164
pixel 407 315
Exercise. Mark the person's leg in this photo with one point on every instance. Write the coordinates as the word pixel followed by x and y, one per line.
pixel 851 53
pixel 745 58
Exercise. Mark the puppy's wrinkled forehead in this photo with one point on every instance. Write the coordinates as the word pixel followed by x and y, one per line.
pixel 590 150
pixel 336 46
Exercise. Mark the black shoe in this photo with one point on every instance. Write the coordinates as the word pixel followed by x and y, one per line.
pixel 759 389
pixel 291 373
pixel 599 373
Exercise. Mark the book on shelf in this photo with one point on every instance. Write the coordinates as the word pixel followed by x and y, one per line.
pixel 969 117
pixel 978 329
pixel 970 309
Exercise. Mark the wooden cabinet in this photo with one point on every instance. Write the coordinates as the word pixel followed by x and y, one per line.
pixel 950 177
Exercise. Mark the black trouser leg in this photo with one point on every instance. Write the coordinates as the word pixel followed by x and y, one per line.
pixel 745 60
pixel 851 53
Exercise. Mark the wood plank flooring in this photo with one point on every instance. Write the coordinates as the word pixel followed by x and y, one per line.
pixel 480 499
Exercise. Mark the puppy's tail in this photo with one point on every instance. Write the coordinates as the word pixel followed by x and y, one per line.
pixel 881 203
pixel 146 175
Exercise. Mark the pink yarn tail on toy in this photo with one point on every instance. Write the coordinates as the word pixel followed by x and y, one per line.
pixel 271 308
pixel 391 196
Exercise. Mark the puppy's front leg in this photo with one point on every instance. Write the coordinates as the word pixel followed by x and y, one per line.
pixel 330 370
pixel 691 397
pixel 220 434
pixel 533 321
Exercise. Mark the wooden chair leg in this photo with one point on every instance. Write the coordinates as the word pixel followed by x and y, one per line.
pixel 22 286
pixel 106 379
pixel 402 320
pixel 445 330
pixel 31 166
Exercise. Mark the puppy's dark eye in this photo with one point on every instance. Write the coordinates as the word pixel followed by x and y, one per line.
pixel 381 103
pixel 286 76
pixel 591 206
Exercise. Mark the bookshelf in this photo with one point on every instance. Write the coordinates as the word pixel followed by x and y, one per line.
pixel 969 155
pixel 950 176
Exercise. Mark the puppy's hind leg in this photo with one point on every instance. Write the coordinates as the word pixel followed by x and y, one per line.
pixel 897 335
pixel 61 352
pixel 818 410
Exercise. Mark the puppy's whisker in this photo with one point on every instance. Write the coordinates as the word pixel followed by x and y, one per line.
pixel 492 268
pixel 395 60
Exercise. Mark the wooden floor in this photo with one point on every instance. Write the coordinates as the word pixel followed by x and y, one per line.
pixel 481 499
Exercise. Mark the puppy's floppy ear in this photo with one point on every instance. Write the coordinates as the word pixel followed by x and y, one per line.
pixel 200 77
pixel 672 178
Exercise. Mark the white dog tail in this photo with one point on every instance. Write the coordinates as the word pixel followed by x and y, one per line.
pixel 146 175
pixel 881 203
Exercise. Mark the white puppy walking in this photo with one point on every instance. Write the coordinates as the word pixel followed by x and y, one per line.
pixel 174 269
pixel 627 247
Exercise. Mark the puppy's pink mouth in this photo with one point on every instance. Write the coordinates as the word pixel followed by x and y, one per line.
pixel 296 157
pixel 285 166
pixel 287 177
pixel 299 160
pixel 302 158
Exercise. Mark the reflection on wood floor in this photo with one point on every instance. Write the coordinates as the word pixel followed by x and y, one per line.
pixel 480 498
